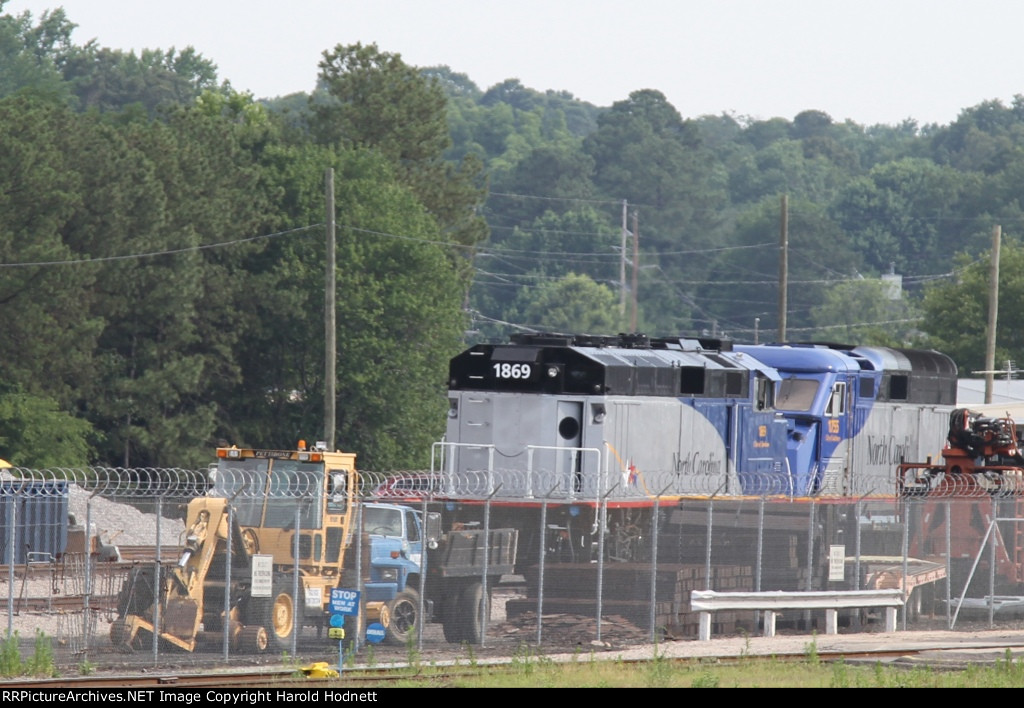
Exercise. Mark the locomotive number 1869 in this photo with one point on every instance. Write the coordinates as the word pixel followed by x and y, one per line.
pixel 512 371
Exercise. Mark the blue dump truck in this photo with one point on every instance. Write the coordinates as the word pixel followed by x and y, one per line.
pixel 448 580
pixel 292 516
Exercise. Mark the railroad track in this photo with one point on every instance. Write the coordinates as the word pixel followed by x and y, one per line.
pixel 59 603
pixel 363 677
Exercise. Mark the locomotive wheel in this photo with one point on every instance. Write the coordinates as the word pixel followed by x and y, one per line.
pixel 253 639
pixel 403 615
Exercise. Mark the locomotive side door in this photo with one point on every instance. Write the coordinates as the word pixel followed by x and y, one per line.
pixel 569 464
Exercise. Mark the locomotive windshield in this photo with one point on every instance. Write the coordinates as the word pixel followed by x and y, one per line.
pixel 796 394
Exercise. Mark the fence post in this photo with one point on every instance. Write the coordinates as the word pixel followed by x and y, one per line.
pixel 487 560
pixel 540 567
pixel 360 615
pixel 905 549
pixel 227 585
pixel 296 607
pixel 11 541
pixel 654 564
pixel 992 565
pixel 156 583
pixel 88 574
pixel 949 567
pixel 811 520
pixel 856 556
pixel 424 510
pixel 707 547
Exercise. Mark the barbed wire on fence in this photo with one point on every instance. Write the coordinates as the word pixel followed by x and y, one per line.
pixel 495 484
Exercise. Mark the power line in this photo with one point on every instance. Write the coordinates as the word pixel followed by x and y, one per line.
pixel 153 254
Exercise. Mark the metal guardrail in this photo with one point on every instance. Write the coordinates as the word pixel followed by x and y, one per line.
pixel 708 601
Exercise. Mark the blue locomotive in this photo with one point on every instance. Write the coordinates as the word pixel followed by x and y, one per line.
pixel 613 427
pixel 855 412
pixel 621 417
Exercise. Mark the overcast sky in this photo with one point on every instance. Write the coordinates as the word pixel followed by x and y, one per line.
pixel 870 61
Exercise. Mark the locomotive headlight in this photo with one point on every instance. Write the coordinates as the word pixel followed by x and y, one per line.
pixel 598 412
pixel 552 372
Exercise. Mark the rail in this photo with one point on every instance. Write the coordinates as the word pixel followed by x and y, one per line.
pixel 708 601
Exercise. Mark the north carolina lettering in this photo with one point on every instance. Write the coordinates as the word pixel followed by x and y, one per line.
pixel 697 465
pixel 885 450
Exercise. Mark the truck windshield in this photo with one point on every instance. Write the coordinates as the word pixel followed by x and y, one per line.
pixel 382 522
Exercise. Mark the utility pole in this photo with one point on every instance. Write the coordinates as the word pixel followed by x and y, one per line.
pixel 783 266
pixel 636 266
pixel 622 264
pixel 993 314
pixel 330 312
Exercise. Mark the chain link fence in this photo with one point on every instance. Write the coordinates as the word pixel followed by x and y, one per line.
pixel 594 567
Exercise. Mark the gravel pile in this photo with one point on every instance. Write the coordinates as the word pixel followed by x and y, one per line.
pixel 119 523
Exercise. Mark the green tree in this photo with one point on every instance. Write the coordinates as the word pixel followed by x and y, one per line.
pixel 36 433
pixel 45 292
pixel 956 311
pixel 111 80
pixel 174 190
pixel 895 216
pixel 574 304
pixel 553 246
pixel 372 99
pixel 865 311
pixel 549 173
pixel 742 278
pixel 30 54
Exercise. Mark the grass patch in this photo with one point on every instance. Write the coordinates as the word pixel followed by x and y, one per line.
pixel 530 670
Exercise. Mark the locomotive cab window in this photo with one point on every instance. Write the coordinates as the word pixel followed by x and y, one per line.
pixel 867 388
pixel 837 401
pixel 765 393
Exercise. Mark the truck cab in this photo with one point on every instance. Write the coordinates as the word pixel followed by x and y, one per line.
pixel 396 553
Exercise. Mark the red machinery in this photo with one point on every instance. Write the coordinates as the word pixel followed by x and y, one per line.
pixel 981 455
pixel 980 480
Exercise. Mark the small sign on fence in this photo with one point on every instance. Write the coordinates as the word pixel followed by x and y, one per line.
pixel 344 602
pixel 262 575
pixel 836 563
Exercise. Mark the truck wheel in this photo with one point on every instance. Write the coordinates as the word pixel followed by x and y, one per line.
pixel 403 617
pixel 280 619
pixel 451 621
pixel 474 606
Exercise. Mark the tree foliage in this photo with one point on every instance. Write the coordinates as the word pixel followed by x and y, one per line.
pixel 162 243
